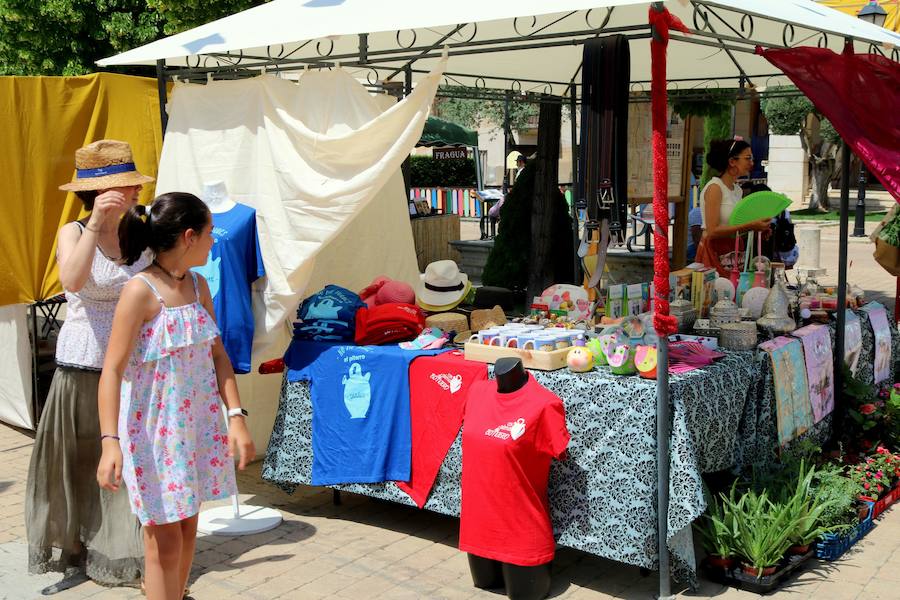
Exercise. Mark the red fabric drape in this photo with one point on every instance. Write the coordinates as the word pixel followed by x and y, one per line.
pixel 661 21
pixel 859 94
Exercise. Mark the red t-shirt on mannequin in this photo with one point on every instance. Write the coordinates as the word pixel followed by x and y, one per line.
pixel 508 443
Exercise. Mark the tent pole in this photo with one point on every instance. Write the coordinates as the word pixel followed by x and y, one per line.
pixel 842 277
pixel 573 107
pixel 161 90
pixel 663 415
pixel 505 141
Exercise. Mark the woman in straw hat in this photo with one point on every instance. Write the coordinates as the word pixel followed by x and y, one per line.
pixel 72 525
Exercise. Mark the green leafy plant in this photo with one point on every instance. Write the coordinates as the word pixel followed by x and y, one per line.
pixel 806 509
pixel 892 415
pixel 837 493
pixel 718 529
pixel 424 171
pixel 875 475
pixel 764 529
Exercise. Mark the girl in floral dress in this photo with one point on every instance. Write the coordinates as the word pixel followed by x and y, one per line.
pixel 163 381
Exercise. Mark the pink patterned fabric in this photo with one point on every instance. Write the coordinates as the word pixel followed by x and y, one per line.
pixel 819 368
pixel 859 94
pixel 174 441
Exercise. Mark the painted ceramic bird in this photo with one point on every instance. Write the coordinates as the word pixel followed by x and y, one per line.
pixel 645 361
pixel 621 360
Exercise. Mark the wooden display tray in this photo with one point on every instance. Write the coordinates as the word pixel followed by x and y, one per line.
pixel 531 359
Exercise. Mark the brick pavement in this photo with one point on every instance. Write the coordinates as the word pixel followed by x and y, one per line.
pixel 367 548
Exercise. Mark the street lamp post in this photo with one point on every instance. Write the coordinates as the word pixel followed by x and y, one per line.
pixel 874 14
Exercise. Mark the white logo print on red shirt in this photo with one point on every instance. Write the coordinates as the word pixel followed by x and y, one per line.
pixel 448 381
pixel 510 430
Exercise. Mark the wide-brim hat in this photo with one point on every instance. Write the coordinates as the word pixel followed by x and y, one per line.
pixel 442 286
pixel 105 164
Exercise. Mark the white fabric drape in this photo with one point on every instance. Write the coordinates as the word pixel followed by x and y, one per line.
pixel 15 368
pixel 310 157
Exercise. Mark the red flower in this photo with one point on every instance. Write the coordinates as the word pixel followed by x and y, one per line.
pixel 866 485
pixel 131 448
pixel 139 472
pixel 138 415
pixel 867 409
pixel 172 487
pixel 215 491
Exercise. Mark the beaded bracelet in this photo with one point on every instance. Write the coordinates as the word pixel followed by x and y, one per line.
pixel 109 435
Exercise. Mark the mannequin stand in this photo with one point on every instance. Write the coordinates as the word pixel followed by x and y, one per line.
pixel 237 519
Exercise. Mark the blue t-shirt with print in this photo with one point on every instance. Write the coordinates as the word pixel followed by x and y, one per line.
pixel 361 431
pixel 234 263
pixel 328 315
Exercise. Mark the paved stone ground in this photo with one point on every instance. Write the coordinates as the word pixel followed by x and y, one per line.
pixel 366 548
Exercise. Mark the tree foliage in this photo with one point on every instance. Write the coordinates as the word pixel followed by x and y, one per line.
pixel 470 113
pixel 66 37
pixel 179 15
pixel 789 115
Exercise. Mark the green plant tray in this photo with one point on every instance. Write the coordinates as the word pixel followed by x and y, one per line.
pixel 831 546
pixel 738 579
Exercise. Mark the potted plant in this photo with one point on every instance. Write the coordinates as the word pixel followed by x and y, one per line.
pixel 805 511
pixel 764 532
pixel 717 530
pixel 838 493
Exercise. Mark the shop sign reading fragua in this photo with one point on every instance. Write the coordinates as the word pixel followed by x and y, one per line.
pixel 449 153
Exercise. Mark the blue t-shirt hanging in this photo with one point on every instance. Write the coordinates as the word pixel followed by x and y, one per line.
pixel 361 430
pixel 234 263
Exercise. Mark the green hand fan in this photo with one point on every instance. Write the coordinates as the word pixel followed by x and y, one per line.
pixel 757 206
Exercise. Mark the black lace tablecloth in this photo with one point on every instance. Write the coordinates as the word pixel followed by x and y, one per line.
pixel 603 498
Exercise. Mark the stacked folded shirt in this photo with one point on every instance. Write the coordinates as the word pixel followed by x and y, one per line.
pixel 328 315
pixel 386 323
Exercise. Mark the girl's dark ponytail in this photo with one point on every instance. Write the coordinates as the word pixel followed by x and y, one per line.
pixel 134 233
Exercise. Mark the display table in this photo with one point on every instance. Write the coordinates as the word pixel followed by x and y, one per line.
pixel 603 498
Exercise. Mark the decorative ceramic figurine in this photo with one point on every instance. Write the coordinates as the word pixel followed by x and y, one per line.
pixel 621 359
pixel 580 359
pixel 645 361
pixel 596 349
pixel 776 317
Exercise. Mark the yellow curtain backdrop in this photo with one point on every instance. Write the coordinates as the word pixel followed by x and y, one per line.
pixel 851 7
pixel 44 120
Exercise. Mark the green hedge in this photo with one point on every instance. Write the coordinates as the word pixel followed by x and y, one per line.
pixel 425 171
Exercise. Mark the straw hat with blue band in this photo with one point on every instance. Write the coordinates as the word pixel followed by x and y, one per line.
pixel 105 164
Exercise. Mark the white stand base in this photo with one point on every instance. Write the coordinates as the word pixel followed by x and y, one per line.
pixel 251 519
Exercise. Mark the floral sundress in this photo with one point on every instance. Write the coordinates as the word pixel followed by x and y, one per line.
pixel 173 436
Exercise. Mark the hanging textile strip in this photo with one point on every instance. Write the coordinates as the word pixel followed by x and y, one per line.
pixel 819 368
pixel 794 413
pixel 661 21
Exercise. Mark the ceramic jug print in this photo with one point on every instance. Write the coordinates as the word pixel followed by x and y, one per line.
pixel 357 391
pixel 324 309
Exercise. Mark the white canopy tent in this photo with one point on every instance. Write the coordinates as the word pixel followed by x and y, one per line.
pixel 526 44
pixel 518 45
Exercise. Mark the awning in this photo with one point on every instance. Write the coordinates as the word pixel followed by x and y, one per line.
pixel 523 45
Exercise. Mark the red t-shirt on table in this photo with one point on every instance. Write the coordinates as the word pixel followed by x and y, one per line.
pixel 438 387
pixel 508 443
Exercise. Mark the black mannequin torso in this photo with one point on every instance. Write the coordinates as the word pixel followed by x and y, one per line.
pixel 510 375
pixel 521 583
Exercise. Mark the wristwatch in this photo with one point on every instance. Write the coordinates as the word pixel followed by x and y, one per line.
pixel 237 412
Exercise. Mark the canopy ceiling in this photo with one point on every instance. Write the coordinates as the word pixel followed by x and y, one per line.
pixel 507 44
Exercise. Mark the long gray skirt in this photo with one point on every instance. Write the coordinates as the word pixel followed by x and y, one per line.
pixel 68 518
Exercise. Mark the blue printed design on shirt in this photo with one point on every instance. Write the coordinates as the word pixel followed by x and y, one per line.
pixel 212 273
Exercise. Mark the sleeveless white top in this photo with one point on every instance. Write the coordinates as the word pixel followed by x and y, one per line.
pixel 85 332
pixel 730 197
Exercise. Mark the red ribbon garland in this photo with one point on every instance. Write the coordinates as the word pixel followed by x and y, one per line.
pixel 661 21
